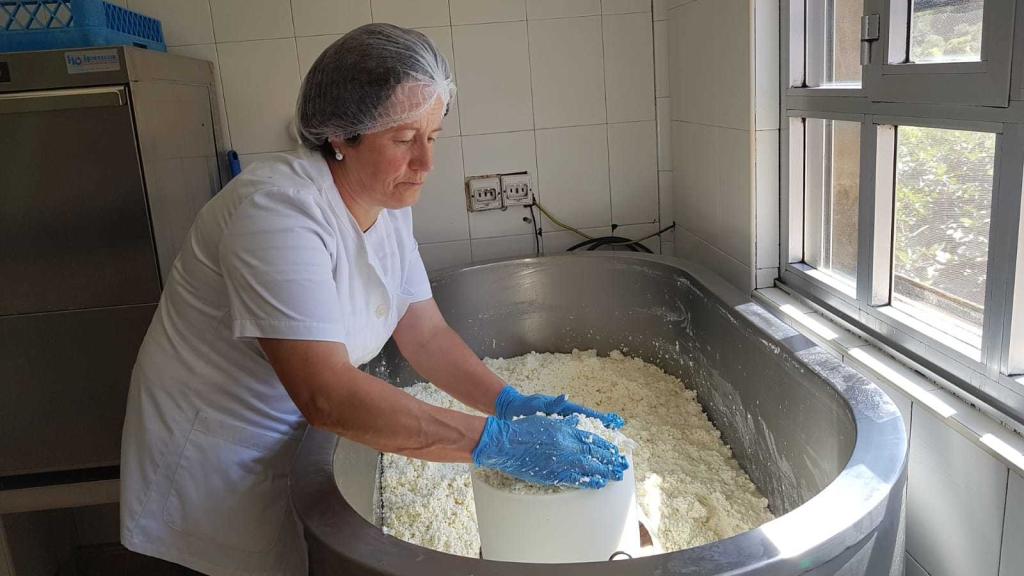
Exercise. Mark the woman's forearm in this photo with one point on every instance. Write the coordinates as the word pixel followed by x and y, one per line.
pixel 334 395
pixel 372 412
pixel 444 359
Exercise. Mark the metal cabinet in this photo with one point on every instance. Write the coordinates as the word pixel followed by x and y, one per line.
pixel 102 171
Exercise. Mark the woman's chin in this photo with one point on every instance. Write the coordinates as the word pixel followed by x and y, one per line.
pixel 406 196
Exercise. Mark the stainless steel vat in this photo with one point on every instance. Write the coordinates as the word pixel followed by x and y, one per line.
pixel 825 446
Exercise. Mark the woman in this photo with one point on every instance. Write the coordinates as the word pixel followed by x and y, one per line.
pixel 295 274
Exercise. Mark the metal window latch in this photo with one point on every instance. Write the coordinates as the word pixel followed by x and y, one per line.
pixel 869 32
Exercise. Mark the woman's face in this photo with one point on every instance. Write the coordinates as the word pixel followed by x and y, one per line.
pixel 387 169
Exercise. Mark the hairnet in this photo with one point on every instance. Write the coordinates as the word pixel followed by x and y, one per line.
pixel 373 78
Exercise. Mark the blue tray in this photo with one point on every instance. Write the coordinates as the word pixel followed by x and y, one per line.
pixel 53 24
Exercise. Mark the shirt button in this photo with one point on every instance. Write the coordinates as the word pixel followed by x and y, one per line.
pixel 381 311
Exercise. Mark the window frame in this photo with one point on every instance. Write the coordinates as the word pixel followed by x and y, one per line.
pixel 809 26
pixel 983 83
pixel 993 374
pixel 798 190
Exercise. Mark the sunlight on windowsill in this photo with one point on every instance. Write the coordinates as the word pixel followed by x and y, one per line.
pixel 834 281
pixel 875 361
pixel 809 321
pixel 1000 446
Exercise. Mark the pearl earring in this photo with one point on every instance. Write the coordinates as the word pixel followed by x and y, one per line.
pixel 338 155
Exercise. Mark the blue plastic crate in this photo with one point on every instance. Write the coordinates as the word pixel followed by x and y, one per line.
pixel 53 24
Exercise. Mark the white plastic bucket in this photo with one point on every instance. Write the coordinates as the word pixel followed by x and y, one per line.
pixel 569 526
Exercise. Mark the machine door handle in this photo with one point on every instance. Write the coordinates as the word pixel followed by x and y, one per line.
pixel 48 100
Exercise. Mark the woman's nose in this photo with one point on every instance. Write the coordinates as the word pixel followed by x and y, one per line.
pixel 423 158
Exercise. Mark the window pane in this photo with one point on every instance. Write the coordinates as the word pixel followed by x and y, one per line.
pixel 946 30
pixel 940 241
pixel 832 197
pixel 842 40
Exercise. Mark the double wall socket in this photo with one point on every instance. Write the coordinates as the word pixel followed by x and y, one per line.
pixel 498 191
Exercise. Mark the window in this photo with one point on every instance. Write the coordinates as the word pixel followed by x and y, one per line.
pixel 942 51
pixel 842 23
pixel 831 199
pixel 946 31
pixel 940 239
pixel 902 207
pixel 832 55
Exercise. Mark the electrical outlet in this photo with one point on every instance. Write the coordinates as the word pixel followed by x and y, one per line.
pixel 483 193
pixel 515 189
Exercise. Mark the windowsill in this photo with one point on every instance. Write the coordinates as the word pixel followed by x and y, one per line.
pixel 832 280
pixel 883 368
pixel 930 330
pixel 957 350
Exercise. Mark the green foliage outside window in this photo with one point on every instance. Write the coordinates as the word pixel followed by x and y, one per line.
pixel 943 209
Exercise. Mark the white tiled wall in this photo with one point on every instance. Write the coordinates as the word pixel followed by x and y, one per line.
pixel 493 67
pixel 723 108
pixel 766 137
pixel 322 17
pixel 565 89
pixel 629 67
pixel 259 104
pixel 561 8
pixel 567 72
pixel 484 11
pixel 574 161
pixel 955 501
pixel 1012 558
pixel 663 113
pixel 240 20
pixel 633 154
pixel 766 206
pixel 712 149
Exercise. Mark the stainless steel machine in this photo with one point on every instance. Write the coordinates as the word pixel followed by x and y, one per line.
pixel 826 447
pixel 106 156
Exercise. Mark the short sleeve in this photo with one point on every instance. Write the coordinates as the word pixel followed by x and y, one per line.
pixel 278 270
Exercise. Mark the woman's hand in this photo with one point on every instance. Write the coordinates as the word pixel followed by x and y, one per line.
pixel 511 403
pixel 548 451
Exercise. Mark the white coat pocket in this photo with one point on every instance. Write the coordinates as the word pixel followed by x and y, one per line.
pixel 231 485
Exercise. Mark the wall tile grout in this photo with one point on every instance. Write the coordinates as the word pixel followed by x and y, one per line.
pixel 538 183
pixel 462 146
pixel 538 219
pixel 607 115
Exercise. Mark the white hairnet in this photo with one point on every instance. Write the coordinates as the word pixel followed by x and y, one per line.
pixel 373 78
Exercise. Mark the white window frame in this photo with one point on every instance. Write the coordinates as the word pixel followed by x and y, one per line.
pixel 985 83
pixel 804 77
pixel 812 163
pixel 993 374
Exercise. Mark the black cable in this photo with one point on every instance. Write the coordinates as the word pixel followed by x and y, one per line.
pixel 601 241
pixel 634 245
pixel 536 230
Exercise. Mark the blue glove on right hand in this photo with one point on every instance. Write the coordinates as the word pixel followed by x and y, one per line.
pixel 548 451
pixel 510 403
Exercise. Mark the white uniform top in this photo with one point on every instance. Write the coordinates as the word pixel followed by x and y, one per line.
pixel 210 431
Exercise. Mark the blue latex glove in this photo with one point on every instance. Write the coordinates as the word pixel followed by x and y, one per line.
pixel 511 403
pixel 544 450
